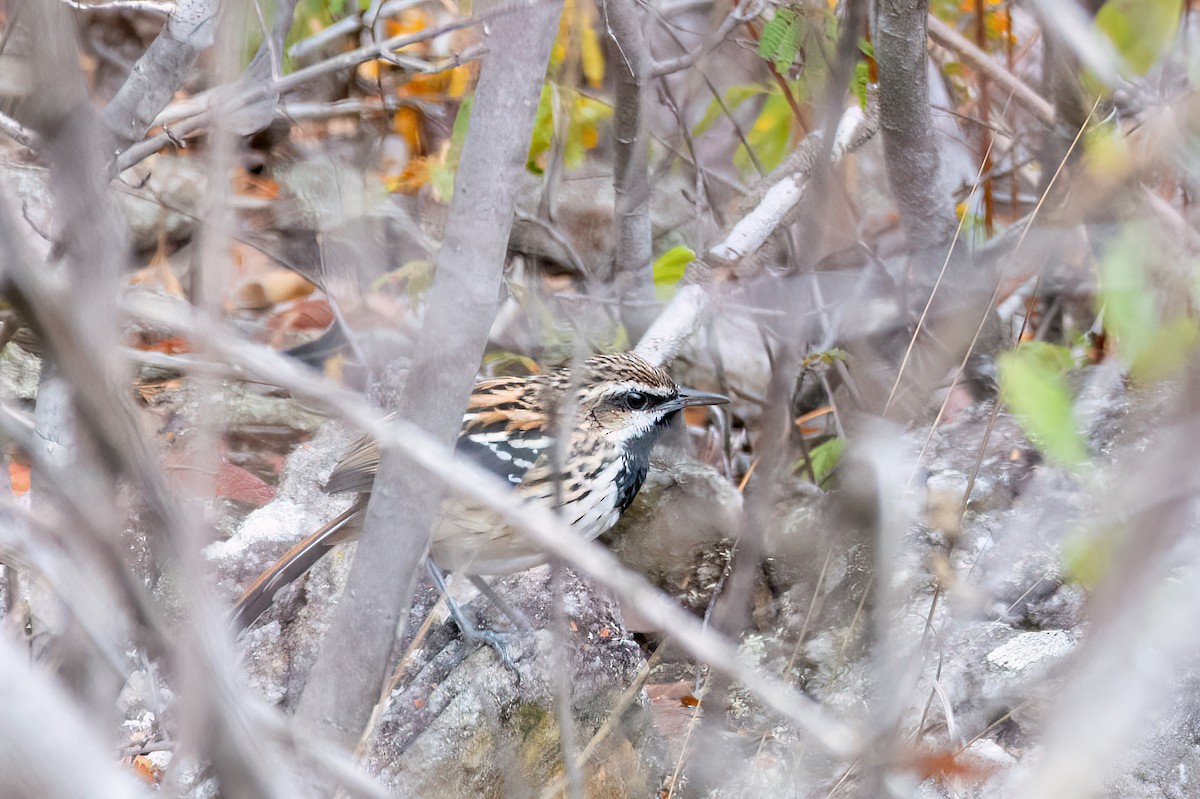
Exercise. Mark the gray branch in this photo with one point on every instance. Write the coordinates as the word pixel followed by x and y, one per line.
pixel 161 70
pixel 909 141
pixel 633 255
pixel 778 196
pixel 352 666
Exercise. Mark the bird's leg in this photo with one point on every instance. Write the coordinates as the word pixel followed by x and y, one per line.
pixel 514 614
pixel 495 640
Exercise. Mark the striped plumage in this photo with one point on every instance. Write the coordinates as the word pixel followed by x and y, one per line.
pixel 618 405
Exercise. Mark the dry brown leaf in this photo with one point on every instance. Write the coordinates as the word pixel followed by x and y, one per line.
pixel 238 484
pixel 304 315
pixel 272 288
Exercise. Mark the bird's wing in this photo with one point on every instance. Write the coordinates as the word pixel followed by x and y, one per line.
pixel 504 430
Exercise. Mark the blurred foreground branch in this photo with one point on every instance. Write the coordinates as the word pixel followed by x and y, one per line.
pixel 462 302
pixel 780 194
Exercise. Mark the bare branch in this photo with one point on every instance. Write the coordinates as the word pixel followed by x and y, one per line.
pixel 633 256
pixel 966 50
pixel 690 307
pixel 39 723
pixel 346 26
pixel 680 62
pixel 256 93
pixel 909 141
pixel 346 679
pixel 161 70
pixel 164 7
pixel 17 132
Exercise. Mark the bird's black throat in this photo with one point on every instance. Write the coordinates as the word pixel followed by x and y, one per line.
pixel 635 462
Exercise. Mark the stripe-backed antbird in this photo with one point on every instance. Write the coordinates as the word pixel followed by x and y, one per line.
pixel 619 406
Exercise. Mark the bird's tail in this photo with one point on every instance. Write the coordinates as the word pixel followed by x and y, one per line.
pixel 294 563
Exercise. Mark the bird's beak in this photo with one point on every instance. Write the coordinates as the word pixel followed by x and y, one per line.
pixel 688 396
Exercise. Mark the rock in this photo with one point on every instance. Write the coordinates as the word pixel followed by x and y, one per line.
pixel 19 373
pixel 1031 649
pixel 676 532
pixel 458 721
pixel 466 725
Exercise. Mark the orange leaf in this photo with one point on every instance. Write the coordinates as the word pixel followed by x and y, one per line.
pixel 368 71
pixel 148 391
pixel 144 768
pixel 695 416
pixel 18 478
pixel 272 288
pixel 942 764
pixel 459 81
pixel 407 123
pixel 689 700
pixel 175 345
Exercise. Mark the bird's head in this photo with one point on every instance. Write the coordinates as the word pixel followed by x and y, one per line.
pixel 630 402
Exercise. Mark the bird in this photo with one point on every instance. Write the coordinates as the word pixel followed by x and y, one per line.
pixel 619 406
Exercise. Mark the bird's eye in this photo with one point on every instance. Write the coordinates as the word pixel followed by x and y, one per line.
pixel 636 400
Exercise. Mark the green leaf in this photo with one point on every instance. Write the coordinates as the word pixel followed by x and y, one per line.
pixel 1033 384
pixel 824 457
pixel 779 42
pixel 441 176
pixel 825 357
pixel 734 96
pixel 669 269
pixel 859 82
pixel 543 130
pixel 1088 559
pixel 583 126
pixel 584 115
pixel 771 136
pixel 862 72
pixel 1171 345
pixel 1141 30
pixel 1129 311
pixel 1153 349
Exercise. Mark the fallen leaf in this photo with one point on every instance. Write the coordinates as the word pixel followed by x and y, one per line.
pixel 305 315
pixel 175 345
pixel 149 391
pixel 239 485
pixel 146 770
pixel 272 288
pixel 943 764
pixel 18 478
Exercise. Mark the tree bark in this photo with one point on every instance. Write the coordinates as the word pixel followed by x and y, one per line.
pixel 906 121
pixel 633 267
pixel 347 677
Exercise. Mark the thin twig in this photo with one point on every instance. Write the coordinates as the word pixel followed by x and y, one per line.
pixel 965 49
pixel 164 7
